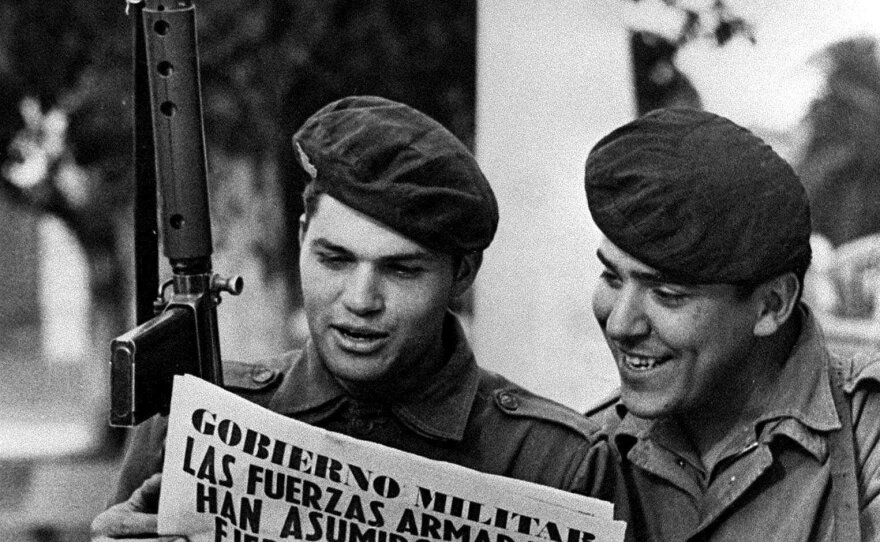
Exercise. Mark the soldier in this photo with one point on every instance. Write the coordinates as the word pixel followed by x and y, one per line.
pixel 734 420
pixel 397 214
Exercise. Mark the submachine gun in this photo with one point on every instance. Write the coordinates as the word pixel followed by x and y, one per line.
pixel 177 322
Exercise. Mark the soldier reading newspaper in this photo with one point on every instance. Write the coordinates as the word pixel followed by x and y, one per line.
pixel 397 214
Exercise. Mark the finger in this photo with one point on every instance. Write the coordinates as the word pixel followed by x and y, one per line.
pixel 146 497
pixel 119 521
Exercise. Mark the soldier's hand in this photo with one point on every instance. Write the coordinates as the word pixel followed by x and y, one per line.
pixel 135 519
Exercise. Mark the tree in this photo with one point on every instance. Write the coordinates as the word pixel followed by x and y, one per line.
pixel 840 166
pixel 658 81
pixel 63 136
pixel 266 65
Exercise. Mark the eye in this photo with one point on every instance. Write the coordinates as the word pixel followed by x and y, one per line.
pixel 405 271
pixel 333 260
pixel 610 278
pixel 670 296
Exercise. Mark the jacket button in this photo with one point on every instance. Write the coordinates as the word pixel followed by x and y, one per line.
pixel 262 375
pixel 361 426
pixel 507 401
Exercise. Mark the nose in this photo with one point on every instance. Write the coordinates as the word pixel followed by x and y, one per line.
pixel 363 292
pixel 621 314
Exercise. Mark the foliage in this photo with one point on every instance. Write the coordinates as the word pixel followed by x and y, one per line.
pixel 69 63
pixel 266 65
pixel 658 81
pixel 713 19
pixel 841 167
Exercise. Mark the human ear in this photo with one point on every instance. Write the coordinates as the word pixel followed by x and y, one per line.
pixel 778 298
pixel 465 273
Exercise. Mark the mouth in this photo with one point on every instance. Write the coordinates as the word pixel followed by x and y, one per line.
pixel 359 339
pixel 641 363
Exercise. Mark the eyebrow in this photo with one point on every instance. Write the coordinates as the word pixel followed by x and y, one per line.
pixel 648 276
pixel 417 255
pixel 321 242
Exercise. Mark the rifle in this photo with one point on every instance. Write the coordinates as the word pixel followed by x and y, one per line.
pixel 176 333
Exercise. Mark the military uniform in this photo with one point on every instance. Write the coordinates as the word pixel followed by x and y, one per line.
pixel 794 475
pixel 463 414
pixel 383 162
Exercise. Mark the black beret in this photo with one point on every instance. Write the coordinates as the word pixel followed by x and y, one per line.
pixel 401 168
pixel 698 198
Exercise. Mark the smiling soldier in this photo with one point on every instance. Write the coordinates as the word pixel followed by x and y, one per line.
pixel 734 421
pixel 397 215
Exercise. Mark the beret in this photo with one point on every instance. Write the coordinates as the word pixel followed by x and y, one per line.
pixel 698 198
pixel 401 168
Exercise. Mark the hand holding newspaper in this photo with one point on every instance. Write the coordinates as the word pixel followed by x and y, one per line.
pixel 235 471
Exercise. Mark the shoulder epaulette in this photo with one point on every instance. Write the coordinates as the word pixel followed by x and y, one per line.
pixel 518 402
pixel 255 378
pixel 862 366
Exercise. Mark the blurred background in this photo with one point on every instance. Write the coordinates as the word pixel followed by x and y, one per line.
pixel 529 86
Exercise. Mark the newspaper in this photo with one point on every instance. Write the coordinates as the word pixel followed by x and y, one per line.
pixel 235 471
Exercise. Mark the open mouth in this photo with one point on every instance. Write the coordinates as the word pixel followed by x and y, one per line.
pixel 360 339
pixel 635 362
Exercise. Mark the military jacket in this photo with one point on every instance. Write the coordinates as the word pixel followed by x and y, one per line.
pixel 463 415
pixel 808 469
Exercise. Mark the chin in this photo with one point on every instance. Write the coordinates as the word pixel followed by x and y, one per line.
pixel 347 367
pixel 645 407
pixel 355 373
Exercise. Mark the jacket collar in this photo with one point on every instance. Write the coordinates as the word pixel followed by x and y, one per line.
pixel 802 409
pixel 440 410
pixel 804 392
